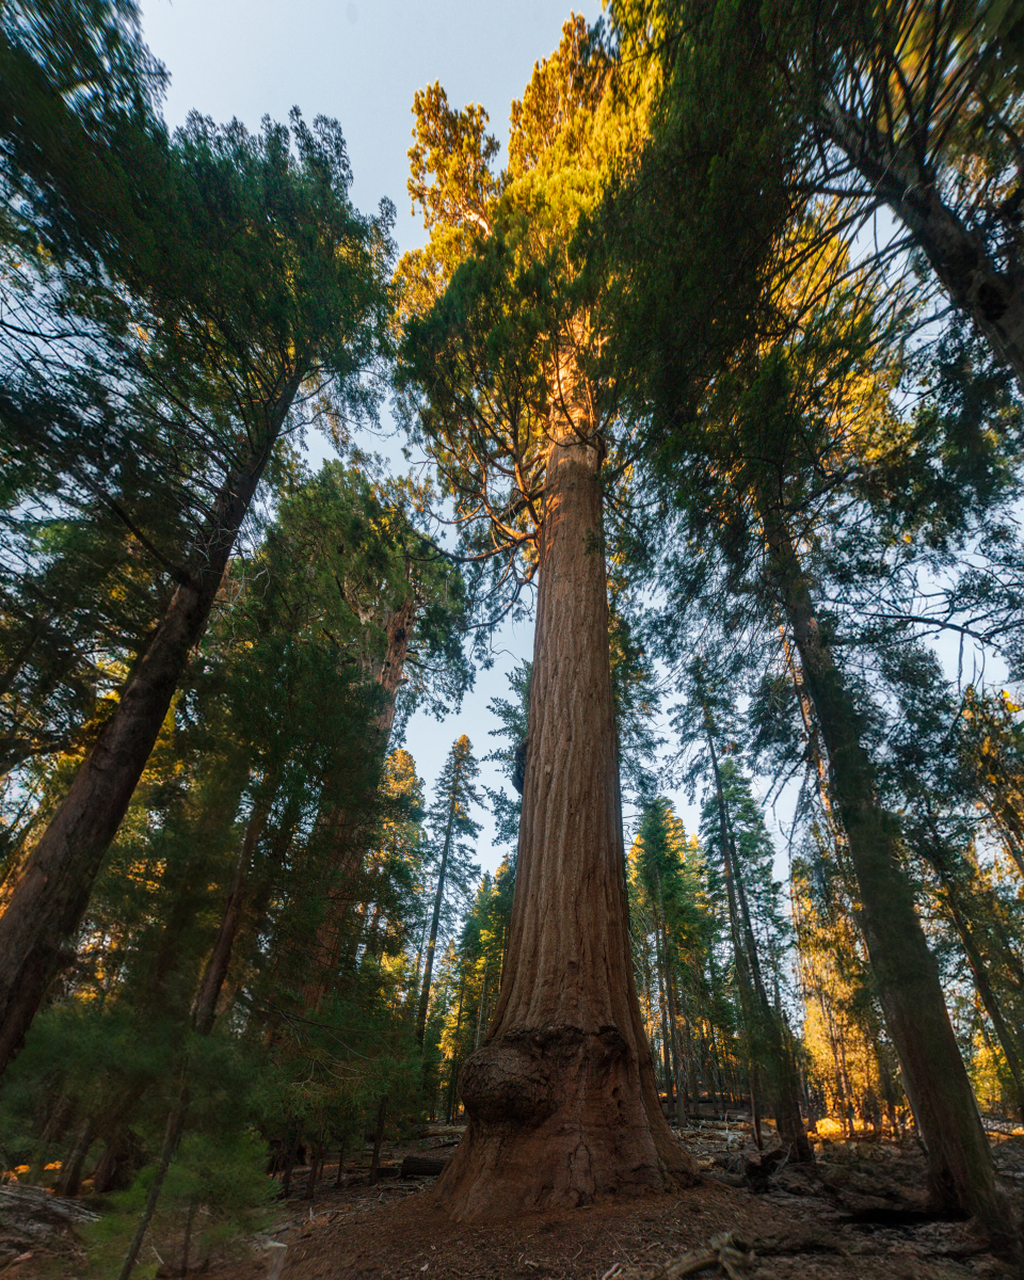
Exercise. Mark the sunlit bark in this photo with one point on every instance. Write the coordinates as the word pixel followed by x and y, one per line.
pixel 561 1099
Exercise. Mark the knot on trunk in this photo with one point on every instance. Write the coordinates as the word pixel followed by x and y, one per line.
pixel 506 1081
pixel 522 1078
pixel 991 295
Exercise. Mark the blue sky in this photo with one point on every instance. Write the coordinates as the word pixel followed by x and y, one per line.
pixel 358 62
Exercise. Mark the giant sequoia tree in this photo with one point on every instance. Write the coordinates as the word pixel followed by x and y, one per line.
pixel 561 1097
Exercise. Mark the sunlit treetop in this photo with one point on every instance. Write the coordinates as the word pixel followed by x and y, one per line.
pixel 503 323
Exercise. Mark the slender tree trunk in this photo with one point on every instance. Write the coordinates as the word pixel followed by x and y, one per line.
pixel 315 1169
pixel 372 948
pixel 378 1138
pixel 172 1135
pixel 421 1015
pixel 1008 821
pixel 1008 1038
pixel 186 1243
pixel 660 963
pixel 481 1006
pixel 53 891
pixel 345 832
pixel 763 1022
pixel 204 1009
pixel 293 1151
pixel 71 1170
pixel 60 1114
pixel 453 1078
pixel 960 1165
pixel 678 1070
pixel 993 299
pixel 561 1100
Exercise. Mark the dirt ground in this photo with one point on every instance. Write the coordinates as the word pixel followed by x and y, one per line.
pixel 857 1216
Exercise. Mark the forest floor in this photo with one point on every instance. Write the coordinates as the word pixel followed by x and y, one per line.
pixel 857 1215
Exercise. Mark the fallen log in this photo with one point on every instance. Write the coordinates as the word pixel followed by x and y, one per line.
pixel 422 1166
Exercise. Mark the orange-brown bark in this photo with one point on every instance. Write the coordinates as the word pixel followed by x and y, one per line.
pixel 50 896
pixel 561 1099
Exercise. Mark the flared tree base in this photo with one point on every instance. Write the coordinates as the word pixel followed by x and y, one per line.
pixel 559 1117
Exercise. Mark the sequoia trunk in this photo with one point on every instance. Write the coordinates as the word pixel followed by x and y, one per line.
pixel 561 1099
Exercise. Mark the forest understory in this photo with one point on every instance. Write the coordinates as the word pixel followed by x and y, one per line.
pixel 857 1214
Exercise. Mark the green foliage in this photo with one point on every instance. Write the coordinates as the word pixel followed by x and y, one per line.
pixel 216 1197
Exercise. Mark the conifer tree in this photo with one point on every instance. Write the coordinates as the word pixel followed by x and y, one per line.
pixel 501 367
pixel 312 315
pixel 733 830
pixel 781 401
pixel 853 1072
pixel 452 828
pixel 658 860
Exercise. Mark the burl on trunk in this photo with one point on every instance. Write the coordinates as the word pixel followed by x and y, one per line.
pixel 561 1099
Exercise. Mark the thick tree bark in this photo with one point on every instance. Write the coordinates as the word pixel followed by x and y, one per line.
pixel 561 1099
pixel 993 299
pixel 53 890
pixel 960 1168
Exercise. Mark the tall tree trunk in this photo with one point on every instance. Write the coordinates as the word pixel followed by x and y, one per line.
pixel 421 1015
pixel 765 1026
pixel 453 1078
pixel 960 1168
pixel 345 832
pixel 1009 1036
pixel 71 1170
pixel 378 1138
pixel 204 1012
pixel 561 1099
pixel 993 299
pixel 204 1008
pixel 53 892
pixel 660 963
pixel 172 1136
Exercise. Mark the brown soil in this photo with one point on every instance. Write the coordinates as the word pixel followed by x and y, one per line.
pixel 858 1216
pixel 841 1222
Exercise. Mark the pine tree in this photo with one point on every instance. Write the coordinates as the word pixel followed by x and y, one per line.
pixel 452 828
pixel 313 316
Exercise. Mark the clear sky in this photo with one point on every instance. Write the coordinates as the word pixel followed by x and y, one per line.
pixel 357 61
pixel 362 63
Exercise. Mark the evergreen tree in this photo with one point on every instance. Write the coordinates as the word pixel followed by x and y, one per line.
pixel 452 827
pixel 312 316
pixel 499 368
